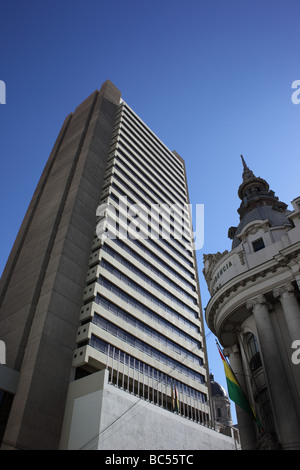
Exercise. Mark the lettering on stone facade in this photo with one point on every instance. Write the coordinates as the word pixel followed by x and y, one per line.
pixel 222 270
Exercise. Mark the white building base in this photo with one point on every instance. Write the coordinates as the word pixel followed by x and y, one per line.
pixel 100 416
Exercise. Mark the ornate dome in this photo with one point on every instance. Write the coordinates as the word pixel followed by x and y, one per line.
pixel 258 203
pixel 216 389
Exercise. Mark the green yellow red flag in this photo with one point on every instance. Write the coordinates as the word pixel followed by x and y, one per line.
pixel 235 391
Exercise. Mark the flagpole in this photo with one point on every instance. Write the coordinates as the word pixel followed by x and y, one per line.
pixel 144 380
pixel 239 385
pixel 123 378
pixel 133 375
pixel 118 371
pixel 166 390
pixel 138 387
pixel 128 375
pixel 112 364
pixel 228 363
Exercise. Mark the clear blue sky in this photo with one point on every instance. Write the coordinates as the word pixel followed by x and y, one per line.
pixel 211 78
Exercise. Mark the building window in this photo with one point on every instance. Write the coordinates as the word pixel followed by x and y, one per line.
pixel 258 244
pixel 263 401
pixel 253 352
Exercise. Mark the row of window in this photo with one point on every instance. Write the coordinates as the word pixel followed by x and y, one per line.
pixel 158 191
pixel 100 300
pixel 148 160
pixel 156 246
pixel 129 282
pixel 142 308
pixel 181 245
pixel 145 369
pixel 114 235
pixel 154 141
pixel 178 208
pixel 157 242
pixel 141 166
pixel 155 270
pixel 120 313
pixel 143 134
pixel 139 273
pixel 178 226
pixel 149 230
pixel 149 350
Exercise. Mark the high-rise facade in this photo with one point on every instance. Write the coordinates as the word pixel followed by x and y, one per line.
pixel 102 286
pixel 142 273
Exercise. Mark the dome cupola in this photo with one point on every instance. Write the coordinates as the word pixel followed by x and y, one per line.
pixel 258 203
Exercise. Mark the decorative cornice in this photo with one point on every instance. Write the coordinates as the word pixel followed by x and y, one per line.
pixel 285 289
pixel 280 262
pixel 243 282
pixel 226 290
pixel 252 228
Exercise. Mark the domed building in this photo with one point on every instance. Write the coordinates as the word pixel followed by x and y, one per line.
pixel 254 312
pixel 220 404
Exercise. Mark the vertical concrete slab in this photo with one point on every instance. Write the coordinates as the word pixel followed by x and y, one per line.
pixel 54 246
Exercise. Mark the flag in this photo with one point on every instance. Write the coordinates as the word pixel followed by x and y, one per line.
pixel 175 401
pixel 235 391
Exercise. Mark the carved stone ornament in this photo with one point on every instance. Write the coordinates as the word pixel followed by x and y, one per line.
pixel 241 255
pixel 209 262
pixel 252 228
pixel 259 300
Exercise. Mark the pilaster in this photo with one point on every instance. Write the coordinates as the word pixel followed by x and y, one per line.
pixel 284 412
pixel 246 428
pixel 291 309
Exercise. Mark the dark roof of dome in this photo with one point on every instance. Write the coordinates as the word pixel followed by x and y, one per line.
pixel 275 218
pixel 216 389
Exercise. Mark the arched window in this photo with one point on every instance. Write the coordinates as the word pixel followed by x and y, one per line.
pixel 264 404
pixel 253 352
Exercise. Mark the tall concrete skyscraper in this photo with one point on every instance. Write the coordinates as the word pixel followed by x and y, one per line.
pixel 100 304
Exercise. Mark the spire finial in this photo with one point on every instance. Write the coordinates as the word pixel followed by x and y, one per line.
pixel 244 163
pixel 247 173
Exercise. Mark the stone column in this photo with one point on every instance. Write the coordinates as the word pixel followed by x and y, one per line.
pixel 284 412
pixel 245 422
pixel 291 309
